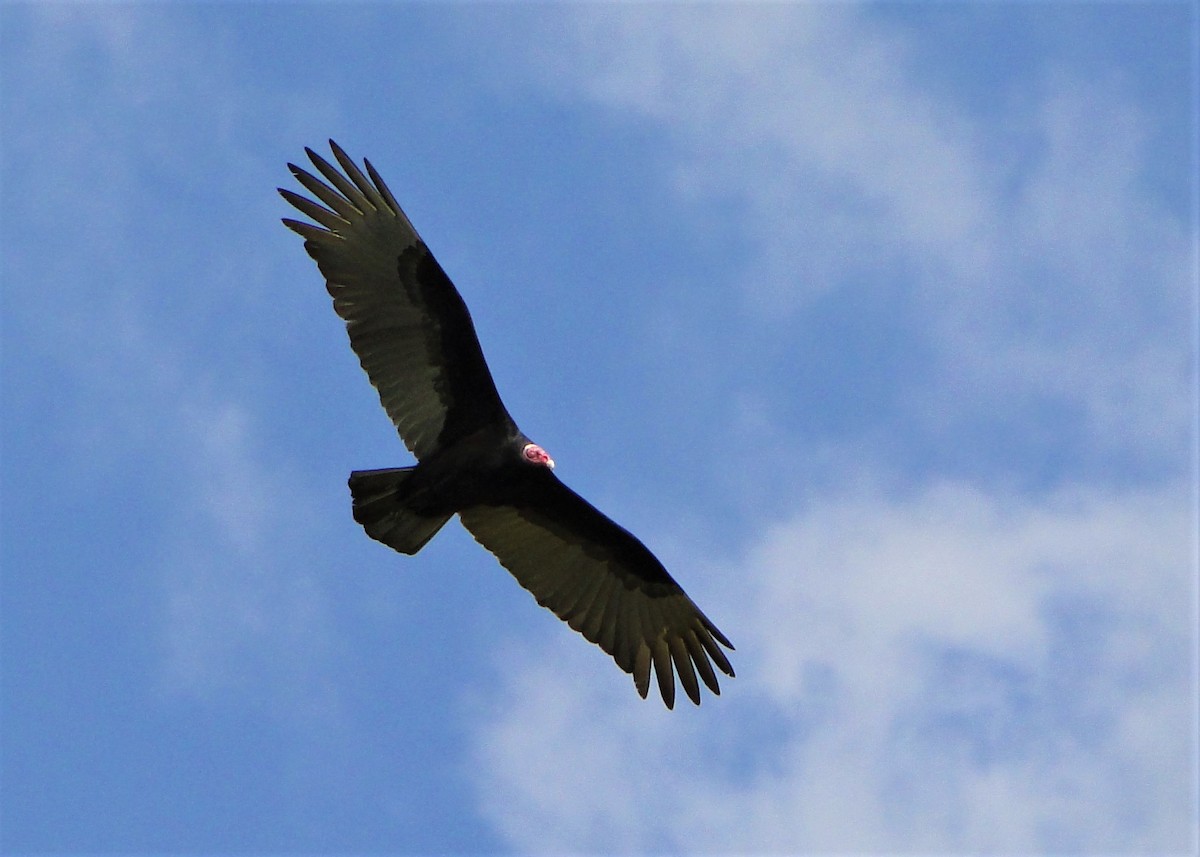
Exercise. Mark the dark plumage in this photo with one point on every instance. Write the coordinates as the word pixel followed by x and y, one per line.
pixel 415 340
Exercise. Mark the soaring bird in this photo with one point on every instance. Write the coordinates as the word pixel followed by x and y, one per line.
pixel 415 340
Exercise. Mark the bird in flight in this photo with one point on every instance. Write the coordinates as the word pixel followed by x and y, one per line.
pixel 415 340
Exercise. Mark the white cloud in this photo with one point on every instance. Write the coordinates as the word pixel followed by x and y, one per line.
pixel 946 672
pixel 806 111
pixel 123 270
pixel 1022 234
pixel 243 606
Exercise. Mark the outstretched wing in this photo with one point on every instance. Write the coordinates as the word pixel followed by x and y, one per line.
pixel 599 579
pixel 407 323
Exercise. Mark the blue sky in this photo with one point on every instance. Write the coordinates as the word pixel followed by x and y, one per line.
pixel 876 322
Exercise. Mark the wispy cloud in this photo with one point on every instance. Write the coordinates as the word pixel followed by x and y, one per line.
pixel 125 272
pixel 950 671
pixel 243 607
pixel 1024 237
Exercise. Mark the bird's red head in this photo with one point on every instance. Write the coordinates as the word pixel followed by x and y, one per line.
pixel 534 454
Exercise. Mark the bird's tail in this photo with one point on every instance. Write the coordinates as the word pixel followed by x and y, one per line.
pixel 379 505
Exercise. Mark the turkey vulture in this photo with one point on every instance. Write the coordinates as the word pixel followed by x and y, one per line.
pixel 415 340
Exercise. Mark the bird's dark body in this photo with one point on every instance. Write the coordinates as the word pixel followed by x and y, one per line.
pixel 480 469
pixel 414 337
pixel 486 469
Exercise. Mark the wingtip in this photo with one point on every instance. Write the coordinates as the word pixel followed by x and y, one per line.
pixel 720 638
pixel 319 162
